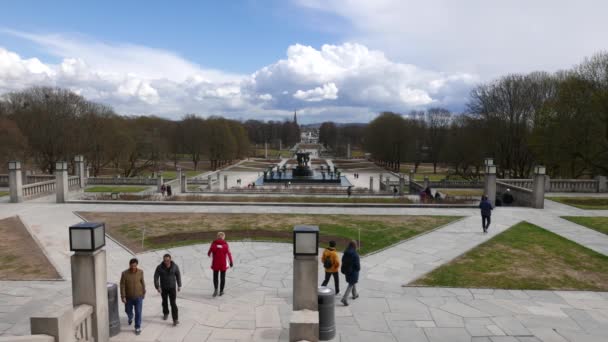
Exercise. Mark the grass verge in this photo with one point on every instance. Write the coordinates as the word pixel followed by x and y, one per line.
pixel 115 189
pixel 525 257
pixel 20 256
pixel 3 193
pixel 591 203
pixel 596 223
pixel 165 230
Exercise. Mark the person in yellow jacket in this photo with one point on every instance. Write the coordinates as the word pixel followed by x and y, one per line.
pixel 331 263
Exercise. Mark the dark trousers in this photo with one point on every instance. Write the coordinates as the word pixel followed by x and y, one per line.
pixel 222 275
pixel 336 280
pixel 169 295
pixel 485 222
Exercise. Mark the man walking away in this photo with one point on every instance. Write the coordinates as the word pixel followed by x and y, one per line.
pixel 331 263
pixel 350 269
pixel 166 276
pixel 132 292
pixel 486 212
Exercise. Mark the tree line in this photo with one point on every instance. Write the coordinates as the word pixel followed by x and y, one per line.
pixel 46 125
pixel 559 120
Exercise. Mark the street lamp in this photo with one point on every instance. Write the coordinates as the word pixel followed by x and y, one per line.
pixel 87 236
pixel 61 166
pixel 14 165
pixel 305 240
pixel 488 161
pixel 540 170
pixel 491 169
pixel 79 158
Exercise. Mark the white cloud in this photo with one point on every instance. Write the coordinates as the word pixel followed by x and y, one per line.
pixel 340 79
pixel 329 91
pixel 488 38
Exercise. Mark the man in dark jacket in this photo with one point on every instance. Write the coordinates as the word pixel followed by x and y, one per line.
pixel 350 268
pixel 166 276
pixel 486 213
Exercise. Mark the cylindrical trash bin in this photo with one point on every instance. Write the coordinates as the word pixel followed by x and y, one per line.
pixel 113 309
pixel 327 319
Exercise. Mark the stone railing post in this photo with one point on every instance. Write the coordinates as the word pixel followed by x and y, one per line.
pixel 89 286
pixel 61 181
pixel 265 150
pixel 209 182
pixel 159 181
pixel 538 188
pixel 59 324
pixel 547 183
pixel 401 184
pixel 79 160
pixel 601 184
pixel 15 182
pixel 371 183
pixel 348 152
pixel 225 182
pixel 489 187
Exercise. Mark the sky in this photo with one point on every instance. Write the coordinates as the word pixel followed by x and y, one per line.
pixel 343 61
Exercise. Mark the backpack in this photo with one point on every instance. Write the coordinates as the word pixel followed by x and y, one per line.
pixel 327 263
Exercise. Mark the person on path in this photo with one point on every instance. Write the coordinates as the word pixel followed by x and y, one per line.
pixel 220 250
pixel 349 191
pixel 331 263
pixel 132 292
pixel 163 189
pixel 350 268
pixel 486 212
pixel 395 191
pixel 166 276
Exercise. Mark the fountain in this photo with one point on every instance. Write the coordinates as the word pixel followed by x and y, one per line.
pixel 302 173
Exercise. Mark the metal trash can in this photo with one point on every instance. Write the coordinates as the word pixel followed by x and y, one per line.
pixel 113 309
pixel 327 317
pixel 169 190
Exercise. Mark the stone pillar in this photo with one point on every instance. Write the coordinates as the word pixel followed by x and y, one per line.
pixel 601 184
pixel 547 183
pixel 348 152
pixel 401 184
pixel 59 324
pixel 79 160
pixel 225 182
pixel 427 182
pixel 88 172
pixel 538 191
pixel 489 188
pixel 61 182
pixel 371 183
pixel 209 182
pixel 305 282
pixel 89 286
pixel 15 182
pixel 265 150
pixel 184 183
pixel 159 181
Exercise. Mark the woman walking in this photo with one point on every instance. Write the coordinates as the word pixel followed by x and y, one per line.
pixel 350 269
pixel 219 249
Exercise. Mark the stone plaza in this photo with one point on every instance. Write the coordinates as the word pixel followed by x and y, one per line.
pixel 258 301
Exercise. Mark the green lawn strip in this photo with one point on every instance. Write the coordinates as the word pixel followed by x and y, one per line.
pixel 596 223
pixel 115 189
pixel 3 193
pixel 590 203
pixel 525 257
pixel 165 230
pixel 286 199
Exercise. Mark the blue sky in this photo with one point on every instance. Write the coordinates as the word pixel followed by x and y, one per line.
pixel 330 60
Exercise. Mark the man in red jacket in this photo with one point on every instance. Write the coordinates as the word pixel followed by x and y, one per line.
pixel 219 249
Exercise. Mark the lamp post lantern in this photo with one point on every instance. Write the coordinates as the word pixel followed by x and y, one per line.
pixel 87 236
pixel 540 170
pixel 305 240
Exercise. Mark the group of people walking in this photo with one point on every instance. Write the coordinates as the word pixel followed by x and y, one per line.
pixel 168 281
pixel 350 267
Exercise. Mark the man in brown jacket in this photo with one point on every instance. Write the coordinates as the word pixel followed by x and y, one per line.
pixel 132 292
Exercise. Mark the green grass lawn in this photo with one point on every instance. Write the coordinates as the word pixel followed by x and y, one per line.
pixel 597 223
pixel 165 230
pixel 115 189
pixel 461 192
pixel 600 203
pixel 525 257
pixel 3 193
pixel 173 174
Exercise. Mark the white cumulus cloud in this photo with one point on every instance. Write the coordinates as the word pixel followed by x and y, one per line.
pixel 329 91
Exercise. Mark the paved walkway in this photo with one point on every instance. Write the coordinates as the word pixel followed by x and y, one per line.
pixel 258 300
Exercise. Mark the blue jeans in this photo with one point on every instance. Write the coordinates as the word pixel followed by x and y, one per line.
pixel 136 303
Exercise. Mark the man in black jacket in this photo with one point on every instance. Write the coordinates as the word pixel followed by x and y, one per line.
pixel 166 276
pixel 486 212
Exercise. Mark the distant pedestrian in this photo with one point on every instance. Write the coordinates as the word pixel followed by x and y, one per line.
pixel 220 250
pixel 163 189
pixel 437 196
pixel 331 264
pixel 486 212
pixel 169 191
pixel 166 277
pixel 429 193
pixel 349 191
pixel 350 268
pixel 132 292
pixel 395 191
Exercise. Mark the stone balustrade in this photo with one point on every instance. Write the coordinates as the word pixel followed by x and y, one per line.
pixel 73 182
pixel 39 189
pixel 121 181
pixel 83 323
pixel 521 196
pixel 3 180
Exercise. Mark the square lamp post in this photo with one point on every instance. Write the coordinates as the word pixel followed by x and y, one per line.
pixel 79 159
pixel 491 169
pixel 305 240
pixel 488 161
pixel 540 170
pixel 87 236
pixel 61 166
pixel 14 165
